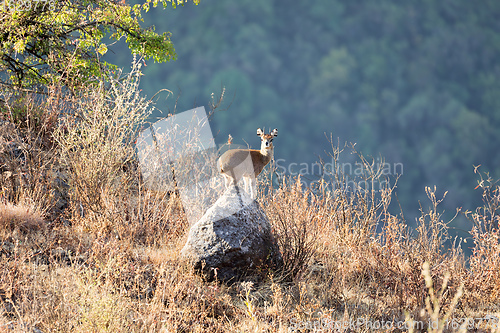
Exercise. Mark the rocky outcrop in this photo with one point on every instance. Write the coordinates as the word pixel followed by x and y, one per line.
pixel 232 239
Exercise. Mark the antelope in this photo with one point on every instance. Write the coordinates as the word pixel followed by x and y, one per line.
pixel 247 163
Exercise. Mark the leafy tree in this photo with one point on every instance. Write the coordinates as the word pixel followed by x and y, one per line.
pixel 62 41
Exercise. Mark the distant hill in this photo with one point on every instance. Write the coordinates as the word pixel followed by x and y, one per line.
pixel 415 82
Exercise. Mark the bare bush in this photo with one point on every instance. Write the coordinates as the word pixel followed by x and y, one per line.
pixel 96 141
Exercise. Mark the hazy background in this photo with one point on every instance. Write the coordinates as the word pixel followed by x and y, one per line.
pixel 416 82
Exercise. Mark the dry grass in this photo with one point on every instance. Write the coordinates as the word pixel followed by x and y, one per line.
pixel 108 259
pixel 19 218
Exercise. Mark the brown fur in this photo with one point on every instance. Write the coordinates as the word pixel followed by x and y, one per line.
pixel 247 163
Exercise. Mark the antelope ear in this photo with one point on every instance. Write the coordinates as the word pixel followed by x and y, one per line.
pixel 259 132
pixel 274 132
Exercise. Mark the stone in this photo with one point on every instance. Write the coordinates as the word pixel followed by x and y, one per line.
pixel 232 239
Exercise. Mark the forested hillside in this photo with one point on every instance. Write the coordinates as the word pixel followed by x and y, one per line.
pixel 416 82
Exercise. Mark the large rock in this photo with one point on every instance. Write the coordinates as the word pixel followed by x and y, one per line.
pixel 232 239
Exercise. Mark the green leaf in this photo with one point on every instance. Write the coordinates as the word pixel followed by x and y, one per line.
pixel 102 49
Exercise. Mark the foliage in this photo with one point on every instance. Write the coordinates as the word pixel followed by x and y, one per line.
pixel 49 42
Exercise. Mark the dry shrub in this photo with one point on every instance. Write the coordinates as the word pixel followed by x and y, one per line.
pixel 19 218
pixel 152 218
pixel 346 250
pixel 484 277
pixel 295 223
pixel 97 147
pixel 28 157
